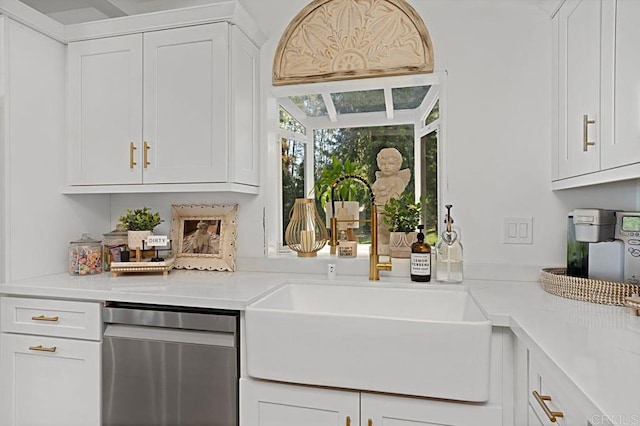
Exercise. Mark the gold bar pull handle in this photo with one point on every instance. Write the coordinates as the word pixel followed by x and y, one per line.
pixel 370 422
pixel 43 318
pixel 348 421
pixel 146 154
pixel 132 148
pixel 550 414
pixel 585 132
pixel 41 348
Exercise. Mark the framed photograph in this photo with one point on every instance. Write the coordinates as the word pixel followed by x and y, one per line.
pixel 204 236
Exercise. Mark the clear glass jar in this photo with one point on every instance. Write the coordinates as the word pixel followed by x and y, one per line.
pixel 85 256
pixel 115 238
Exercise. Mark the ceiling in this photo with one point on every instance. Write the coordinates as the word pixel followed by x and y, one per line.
pixel 76 11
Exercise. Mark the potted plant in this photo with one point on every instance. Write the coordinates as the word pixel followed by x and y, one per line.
pixel 402 216
pixel 139 224
pixel 348 192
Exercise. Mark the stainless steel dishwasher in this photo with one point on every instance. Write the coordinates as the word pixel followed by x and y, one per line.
pixel 165 366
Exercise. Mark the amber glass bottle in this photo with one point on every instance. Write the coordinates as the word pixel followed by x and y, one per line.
pixel 420 258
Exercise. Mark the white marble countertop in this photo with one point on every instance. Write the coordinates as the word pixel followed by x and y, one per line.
pixel 596 346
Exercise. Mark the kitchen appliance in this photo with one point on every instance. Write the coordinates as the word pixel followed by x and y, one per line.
pixel 614 252
pixel 167 366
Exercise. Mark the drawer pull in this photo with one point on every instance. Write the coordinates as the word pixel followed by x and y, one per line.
pixel 370 422
pixel 43 318
pixel 348 421
pixel 41 348
pixel 550 414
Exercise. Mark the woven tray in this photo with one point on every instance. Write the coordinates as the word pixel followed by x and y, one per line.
pixel 556 281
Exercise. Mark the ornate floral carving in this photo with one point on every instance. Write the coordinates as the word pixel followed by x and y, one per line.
pixel 341 39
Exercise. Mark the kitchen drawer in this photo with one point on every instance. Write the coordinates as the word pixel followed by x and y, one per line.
pixel 558 394
pixel 60 318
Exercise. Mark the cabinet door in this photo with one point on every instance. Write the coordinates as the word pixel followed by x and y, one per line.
pixel 50 381
pixel 621 97
pixel 274 404
pixel 185 104
pixel 384 410
pixel 245 105
pixel 579 87
pixel 105 111
pixel 532 418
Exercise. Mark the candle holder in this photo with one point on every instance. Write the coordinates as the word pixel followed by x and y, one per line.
pixel 306 233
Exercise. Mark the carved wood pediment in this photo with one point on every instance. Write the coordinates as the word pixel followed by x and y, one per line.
pixel 346 39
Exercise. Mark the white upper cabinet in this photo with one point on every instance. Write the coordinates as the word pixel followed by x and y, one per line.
pixel 105 110
pixel 579 73
pixel 621 65
pixel 168 110
pixel 597 132
pixel 185 105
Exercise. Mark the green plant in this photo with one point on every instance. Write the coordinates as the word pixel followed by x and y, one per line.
pixel 402 214
pixel 140 219
pixel 348 190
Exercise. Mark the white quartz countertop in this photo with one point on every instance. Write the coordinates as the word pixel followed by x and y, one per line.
pixel 596 346
pixel 219 290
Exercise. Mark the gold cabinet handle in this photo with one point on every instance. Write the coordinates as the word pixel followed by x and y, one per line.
pixel 585 132
pixel 132 148
pixel 43 318
pixel 41 348
pixel 370 422
pixel 145 152
pixel 550 414
pixel 348 421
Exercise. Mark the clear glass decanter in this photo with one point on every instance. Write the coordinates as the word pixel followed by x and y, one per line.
pixel 449 253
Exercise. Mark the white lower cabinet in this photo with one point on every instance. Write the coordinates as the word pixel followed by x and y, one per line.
pixel 49 381
pixel 542 394
pixel 553 399
pixel 276 404
pixel 46 379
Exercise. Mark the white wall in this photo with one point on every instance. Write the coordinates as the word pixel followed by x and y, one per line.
pixel 41 220
pixel 497 54
pixel 249 241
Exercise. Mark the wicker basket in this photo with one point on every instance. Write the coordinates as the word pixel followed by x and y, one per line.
pixel 556 281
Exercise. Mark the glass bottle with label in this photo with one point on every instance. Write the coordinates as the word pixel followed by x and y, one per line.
pixel 420 258
pixel 449 253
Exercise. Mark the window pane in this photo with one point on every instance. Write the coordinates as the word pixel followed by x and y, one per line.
pixel 429 185
pixel 434 114
pixel 355 151
pixel 293 164
pixel 408 97
pixel 364 101
pixel 312 105
pixel 288 122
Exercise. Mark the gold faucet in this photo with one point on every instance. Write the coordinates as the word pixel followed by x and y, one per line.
pixel 375 266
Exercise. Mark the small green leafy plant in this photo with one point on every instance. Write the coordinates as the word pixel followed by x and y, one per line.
pixel 140 219
pixel 348 190
pixel 402 214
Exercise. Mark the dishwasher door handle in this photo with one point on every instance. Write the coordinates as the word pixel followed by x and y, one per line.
pixel 211 338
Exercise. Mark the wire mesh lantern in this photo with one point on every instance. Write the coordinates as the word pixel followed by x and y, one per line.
pixel 306 232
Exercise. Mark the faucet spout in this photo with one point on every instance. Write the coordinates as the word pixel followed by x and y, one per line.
pixel 375 266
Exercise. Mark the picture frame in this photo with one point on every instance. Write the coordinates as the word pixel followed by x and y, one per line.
pixel 204 236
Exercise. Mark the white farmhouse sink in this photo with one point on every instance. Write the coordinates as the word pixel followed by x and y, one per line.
pixel 424 342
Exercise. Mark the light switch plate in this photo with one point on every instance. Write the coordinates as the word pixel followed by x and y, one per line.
pixel 517 230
